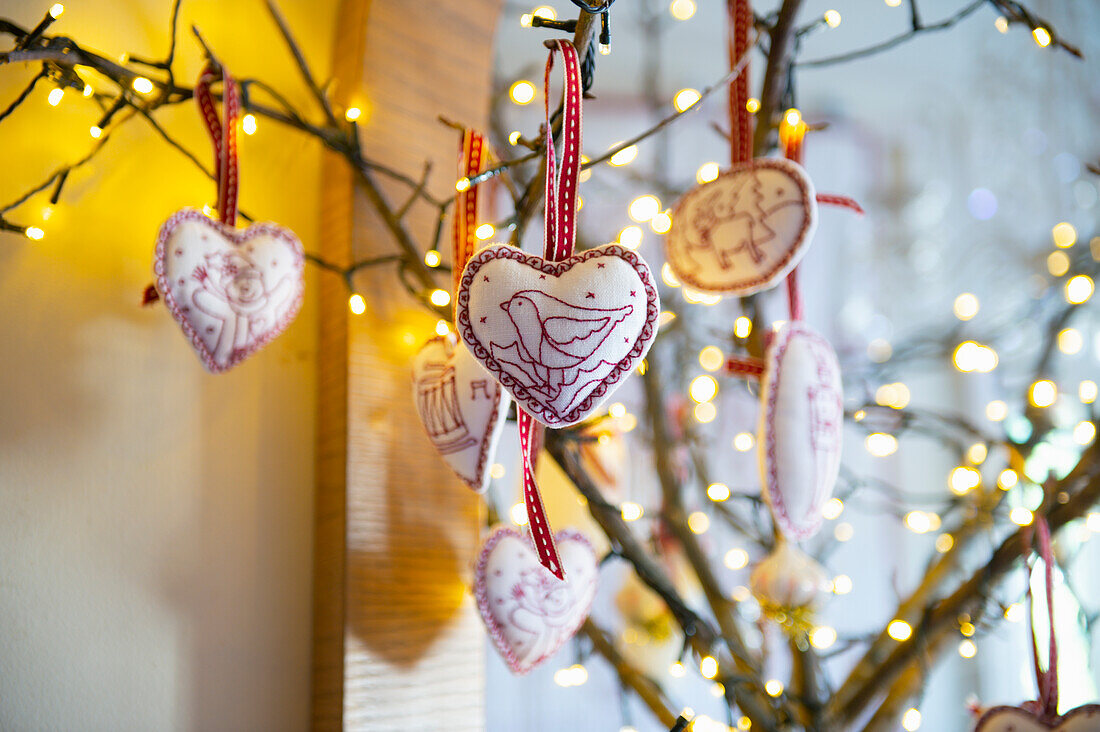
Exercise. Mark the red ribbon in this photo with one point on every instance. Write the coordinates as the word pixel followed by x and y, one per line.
pixel 223 133
pixel 471 159
pixel 741 21
pixel 560 237
pixel 1047 680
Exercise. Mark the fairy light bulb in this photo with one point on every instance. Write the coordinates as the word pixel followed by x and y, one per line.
pixel 248 124
pixel 1021 516
pixel 743 441
pixel 631 237
pixel 33 233
pixel 703 388
pixel 685 99
pixel 832 18
pixel 773 687
pixel 1070 341
pixel 142 85
pixel 899 630
pixel 752 105
pixel 842 584
pixel 462 184
pixel 55 96
pixel 440 298
pixel 518 514
pixel 682 9
pixel 1087 391
pixel 1058 263
pixel 522 92
pixel 56 10
pixel 966 306
pixel 95 131
pixel 660 223
pixel 88 90
pixel 1084 433
pixel 1064 235
pixel 718 492
pixel 1041 36
pixel 736 558
pixel 968 649
pixel 708 667
pixel 996 410
pixel 485 231
pixel 832 509
pixel 1042 393
pixel 698 522
pixel 910 721
pixel 631 511
pixel 1001 24
pixel 1015 612
pixel 624 156
pixel 644 208
pixel 881 444
pixel 1079 289
pixel 432 258
pixel 351 114
pixel 442 327
pixel 1007 479
pixel 742 327
pixel 822 637
pixel 706 173
pixel 964 479
pixel 356 304
pixel 705 412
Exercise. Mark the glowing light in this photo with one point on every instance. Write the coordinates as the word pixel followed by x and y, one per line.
pixel 879 350
pixel 773 687
pixel 706 173
pixel 208 210
pixel 496 471
pixel 832 509
pixel 1086 391
pixel 1021 516
pixel 55 96
pixel 996 410
pixel 525 20
pixel 617 410
pixel 972 356
pixel 918 522
pixel 967 628
pixel 248 124
pixel 842 584
pixel 1070 341
pixel 682 9
pixel 668 276
pixel 1041 36
pixel 1092 522
pixel 844 532
pixel 485 231
pixel 631 511
pixel 432 258
pixel 910 721
pixel 142 85
pixel 703 388
pixel 1084 433
pixel 822 637
pixel 1042 393
pixel 95 132
pixel 661 222
pixel 644 208
pixel 743 441
pixel 34 233
pixel 440 298
pixel 744 723
pixel 514 137
pixel 698 522
pixel 752 105
pixel 1007 479
pixel 792 117
pixel 881 444
pixel 966 306
pixel 1078 289
pixel 718 492
pixel 963 479
pixel 742 327
pixel 631 237
pixel 708 667
pixel 1057 263
pixel 1015 612
pixel 944 542
pixel 832 18
pixel 677 670
pixel 705 412
pixel 736 559
pixel 624 156
pixel 1064 235
pixel 545 11
pixel 711 358
pixel 895 396
pixel 899 630
pixel 88 90
pixel 353 113
pixel 56 10
pixel 442 327
pixel 519 514
pixel 462 184
pixel 684 99
pixel 1001 24
pixel 522 92
pixel 968 649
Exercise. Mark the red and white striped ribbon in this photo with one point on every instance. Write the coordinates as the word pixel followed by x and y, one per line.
pixel 741 22
pixel 223 133
pixel 560 236
pixel 471 160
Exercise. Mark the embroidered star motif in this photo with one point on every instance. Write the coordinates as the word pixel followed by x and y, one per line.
pixel 632 293
pixel 542 277
pixel 600 265
pixel 485 277
pixel 626 340
pixel 484 318
pixel 590 295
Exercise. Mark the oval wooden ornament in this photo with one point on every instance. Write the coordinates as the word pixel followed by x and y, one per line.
pixel 801 420
pixel 1016 719
pixel 745 230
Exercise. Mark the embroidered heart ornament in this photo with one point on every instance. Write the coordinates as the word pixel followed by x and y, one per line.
pixel 745 230
pixel 559 336
pixel 232 291
pixel 461 407
pixel 801 422
pixel 529 612
pixel 1014 719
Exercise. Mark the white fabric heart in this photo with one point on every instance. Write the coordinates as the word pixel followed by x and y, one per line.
pixel 745 230
pixel 232 291
pixel 801 421
pixel 559 336
pixel 529 612
pixel 1014 719
pixel 461 407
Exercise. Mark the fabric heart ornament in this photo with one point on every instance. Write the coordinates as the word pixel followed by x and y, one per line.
pixel 461 407
pixel 529 612
pixel 231 291
pixel 801 421
pixel 560 336
pixel 745 230
pixel 1016 719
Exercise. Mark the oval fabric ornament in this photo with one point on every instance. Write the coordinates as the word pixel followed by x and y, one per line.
pixel 560 336
pixel 528 611
pixel 461 407
pixel 801 421
pixel 788 578
pixel 745 230
pixel 1015 719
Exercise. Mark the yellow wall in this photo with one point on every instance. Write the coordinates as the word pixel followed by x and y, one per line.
pixel 155 521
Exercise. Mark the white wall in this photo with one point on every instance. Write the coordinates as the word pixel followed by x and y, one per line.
pixel 155 521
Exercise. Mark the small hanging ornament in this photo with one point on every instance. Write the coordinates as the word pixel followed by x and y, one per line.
pixel 461 406
pixel 788 584
pixel 231 290
pixel 528 612
pixel 559 332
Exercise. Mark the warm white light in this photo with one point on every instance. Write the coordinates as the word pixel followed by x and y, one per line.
pixel 624 156
pixel 832 509
pixel 711 358
pixel 1058 263
pixel 1078 289
pixel 744 723
pixel 944 542
pixel 617 410
pixel 631 511
pixel 442 327
pixel 685 98
pixel 55 96
pixel 34 233
pixel 56 10
pixel 357 304
pixel 1064 235
pixel 742 327
pixel 88 90
pixel 1070 341
pixel 708 667
pixel 668 276
pixel 881 444
pixel 977 453
pixel 1041 36
pixel 496 471
pixel 910 721
pixel 95 132
pixel 822 637
pixel 440 298
pixel 248 124
pixel 545 11
pixel 843 531
pixel 682 9
pixel 631 237
pixel 1086 391
pixel 432 258
pixel 996 410
pixel 918 522
pixel 643 208
pixel 706 173
pixel 972 356
pixel 752 105
pixel 832 18
pixel 1015 612
pixel 1092 522
pixel 522 92
pixel 1042 393
pixel 743 441
pixel 703 388
pixel 519 514
pixel 705 412
pixel 698 522
pixel 485 231
pixel 773 687
pixel 142 85
pixel 1001 24
pixel 677 670
pixel 894 395
pixel 1084 433
pixel 353 113
pixel 1021 516
pixel 736 558
pixel 793 117
pixel 968 649
pixel 963 479
pixel 966 306
pixel 1008 479
pixel 718 492
pixel 661 223
pixel 879 350
pixel 899 630
pixel 842 584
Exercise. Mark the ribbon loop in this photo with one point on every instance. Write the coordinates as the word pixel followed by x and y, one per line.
pixel 741 21
pixel 223 134
pixel 471 161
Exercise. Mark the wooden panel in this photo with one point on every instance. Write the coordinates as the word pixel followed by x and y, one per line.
pixel 397 641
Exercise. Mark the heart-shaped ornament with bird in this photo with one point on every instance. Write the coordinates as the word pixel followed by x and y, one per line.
pixel 231 290
pixel 528 612
pixel 1016 719
pixel 461 407
pixel 745 230
pixel 560 336
pixel 801 422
